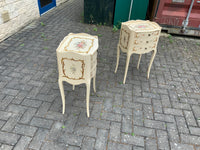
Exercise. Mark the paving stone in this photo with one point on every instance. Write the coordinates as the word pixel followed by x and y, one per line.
pixel 23 143
pixel 118 99
pixel 180 146
pixel 195 130
pixel 102 124
pixel 137 148
pixel 19 98
pixel 38 139
pixel 6 147
pixel 142 131
pixel 173 132
pixel 171 111
pixel 55 131
pixel 163 117
pixel 2 123
pixel 28 115
pixel 147 109
pixel 18 109
pixel 70 123
pixel 34 92
pixel 5 115
pixel 25 130
pixel 138 118
pixel 162 140
pixel 107 105
pixel 86 131
pixel 117 146
pixel 10 92
pixel 177 105
pixel 10 124
pixel 101 141
pixel 151 144
pixel 73 148
pixel 82 119
pixel 88 143
pixel 111 116
pixel 157 106
pixel 96 111
pixel 165 101
pixel 190 118
pixel 5 102
pixel 70 139
pixel 8 138
pixel 41 122
pixel 53 146
pixel 196 111
pixel 182 126
pixel 142 100
pixel 127 124
pixel 135 140
pixel 154 124
pixel 31 103
pixel 185 138
pixel 115 129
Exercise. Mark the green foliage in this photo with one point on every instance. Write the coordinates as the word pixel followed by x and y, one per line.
pixel 42 35
pixel 114 29
pixel 170 38
pixel 63 127
pixel 22 44
pixel 45 48
pixel 132 134
pixel 42 24
pixel 101 114
pixel 95 29
pixel 99 35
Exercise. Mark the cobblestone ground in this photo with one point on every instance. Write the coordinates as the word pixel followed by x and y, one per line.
pixel 160 113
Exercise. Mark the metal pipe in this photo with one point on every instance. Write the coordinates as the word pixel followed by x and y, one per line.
pixel 129 16
pixel 186 21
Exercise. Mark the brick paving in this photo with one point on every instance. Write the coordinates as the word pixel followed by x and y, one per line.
pixel 160 113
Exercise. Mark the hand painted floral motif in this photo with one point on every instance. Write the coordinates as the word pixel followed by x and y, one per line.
pixel 141 26
pixel 81 44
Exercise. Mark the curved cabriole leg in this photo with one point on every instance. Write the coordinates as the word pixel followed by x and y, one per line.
pixel 126 69
pixel 60 83
pixel 118 54
pixel 150 64
pixel 94 83
pixel 88 98
pixel 138 65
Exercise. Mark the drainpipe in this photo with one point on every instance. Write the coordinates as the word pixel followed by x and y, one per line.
pixel 129 16
pixel 186 21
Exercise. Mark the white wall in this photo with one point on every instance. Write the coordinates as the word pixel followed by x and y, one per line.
pixel 15 14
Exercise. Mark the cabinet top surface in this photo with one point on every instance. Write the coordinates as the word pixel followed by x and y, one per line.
pixel 79 43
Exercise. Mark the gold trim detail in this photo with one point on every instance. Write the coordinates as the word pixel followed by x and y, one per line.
pixel 126 45
pixel 79 51
pixel 83 65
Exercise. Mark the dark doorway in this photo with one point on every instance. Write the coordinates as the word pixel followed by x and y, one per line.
pixel 45 2
pixel 45 5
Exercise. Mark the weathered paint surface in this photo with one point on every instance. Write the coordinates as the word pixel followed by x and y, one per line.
pixel 174 12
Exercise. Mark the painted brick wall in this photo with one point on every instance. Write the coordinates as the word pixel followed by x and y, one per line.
pixel 15 14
